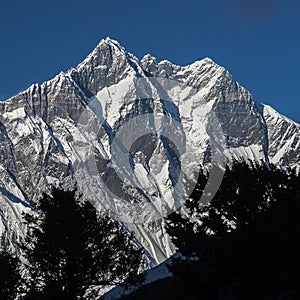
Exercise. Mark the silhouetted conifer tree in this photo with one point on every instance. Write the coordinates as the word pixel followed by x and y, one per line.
pixel 245 244
pixel 71 248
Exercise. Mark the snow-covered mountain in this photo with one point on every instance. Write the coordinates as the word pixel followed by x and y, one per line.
pixel 131 133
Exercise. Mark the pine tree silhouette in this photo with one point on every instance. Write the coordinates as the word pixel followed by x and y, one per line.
pixel 70 248
pixel 245 244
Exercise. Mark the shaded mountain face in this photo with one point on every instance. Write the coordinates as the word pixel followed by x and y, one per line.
pixel 131 134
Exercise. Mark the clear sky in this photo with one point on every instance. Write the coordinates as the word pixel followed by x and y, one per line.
pixel 258 41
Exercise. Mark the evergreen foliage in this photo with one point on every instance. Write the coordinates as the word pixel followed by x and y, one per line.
pixel 70 248
pixel 9 276
pixel 245 244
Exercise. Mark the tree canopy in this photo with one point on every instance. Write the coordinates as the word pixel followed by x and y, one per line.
pixel 245 244
pixel 9 276
pixel 70 248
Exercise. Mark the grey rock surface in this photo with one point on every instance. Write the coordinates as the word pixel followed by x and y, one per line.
pixel 47 137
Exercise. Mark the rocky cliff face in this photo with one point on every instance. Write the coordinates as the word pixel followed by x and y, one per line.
pixel 131 134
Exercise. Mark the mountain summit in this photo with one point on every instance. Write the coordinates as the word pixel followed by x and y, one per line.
pixel 168 121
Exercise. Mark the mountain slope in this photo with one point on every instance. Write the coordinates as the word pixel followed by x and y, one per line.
pixel 131 134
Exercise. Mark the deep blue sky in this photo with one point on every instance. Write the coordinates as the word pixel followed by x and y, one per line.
pixel 258 41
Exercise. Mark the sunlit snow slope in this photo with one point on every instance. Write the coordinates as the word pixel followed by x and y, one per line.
pixel 43 140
